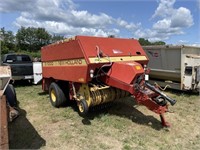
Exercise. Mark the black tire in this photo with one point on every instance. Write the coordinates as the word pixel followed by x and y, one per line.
pixel 83 107
pixel 57 96
pixel 64 85
pixel 11 95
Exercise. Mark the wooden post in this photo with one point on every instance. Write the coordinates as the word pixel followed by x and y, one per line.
pixel 4 123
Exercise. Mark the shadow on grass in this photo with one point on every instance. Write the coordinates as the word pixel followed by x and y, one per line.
pixel 43 93
pixel 129 111
pixel 186 93
pixel 22 83
pixel 22 134
pixel 121 108
pixel 125 110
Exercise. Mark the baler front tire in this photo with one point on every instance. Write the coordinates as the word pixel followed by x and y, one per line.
pixel 57 96
pixel 83 107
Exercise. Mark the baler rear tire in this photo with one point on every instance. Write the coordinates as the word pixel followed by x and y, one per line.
pixel 64 85
pixel 83 107
pixel 57 96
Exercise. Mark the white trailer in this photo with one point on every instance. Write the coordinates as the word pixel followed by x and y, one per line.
pixel 37 72
pixel 176 66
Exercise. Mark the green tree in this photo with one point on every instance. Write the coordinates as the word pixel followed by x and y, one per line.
pixel 42 37
pixel 159 43
pixel 32 39
pixel 7 40
pixel 21 39
pixel 144 42
pixel 56 38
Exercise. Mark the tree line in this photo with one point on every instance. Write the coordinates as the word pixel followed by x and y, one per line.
pixel 31 39
pixel 144 42
pixel 26 39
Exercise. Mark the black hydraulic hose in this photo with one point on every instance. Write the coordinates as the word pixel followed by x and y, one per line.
pixel 151 87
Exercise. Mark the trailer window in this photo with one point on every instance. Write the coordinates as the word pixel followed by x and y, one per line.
pixel 188 70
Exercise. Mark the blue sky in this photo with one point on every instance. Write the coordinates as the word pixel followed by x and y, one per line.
pixel 172 21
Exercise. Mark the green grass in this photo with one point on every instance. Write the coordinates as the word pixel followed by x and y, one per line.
pixel 124 126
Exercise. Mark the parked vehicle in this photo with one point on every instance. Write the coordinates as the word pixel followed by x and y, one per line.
pixel 21 66
pixel 176 66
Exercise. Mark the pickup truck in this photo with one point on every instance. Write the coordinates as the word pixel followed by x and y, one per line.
pixel 21 66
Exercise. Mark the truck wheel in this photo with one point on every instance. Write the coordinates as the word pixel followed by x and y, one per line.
pixel 57 97
pixel 11 95
pixel 83 107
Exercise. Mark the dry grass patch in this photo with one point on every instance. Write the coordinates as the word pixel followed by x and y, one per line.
pixel 124 126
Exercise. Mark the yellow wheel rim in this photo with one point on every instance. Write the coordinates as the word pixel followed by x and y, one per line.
pixel 53 95
pixel 81 107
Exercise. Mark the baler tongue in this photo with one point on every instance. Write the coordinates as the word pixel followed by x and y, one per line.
pixel 129 76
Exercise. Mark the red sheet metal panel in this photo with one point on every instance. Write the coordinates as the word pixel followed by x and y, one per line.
pixel 69 73
pixel 112 47
pixel 125 71
pixel 62 51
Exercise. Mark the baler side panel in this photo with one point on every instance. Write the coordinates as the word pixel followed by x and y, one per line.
pixel 64 61
pixel 70 73
pixel 62 51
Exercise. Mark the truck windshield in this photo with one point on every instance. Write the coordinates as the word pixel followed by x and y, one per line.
pixel 17 58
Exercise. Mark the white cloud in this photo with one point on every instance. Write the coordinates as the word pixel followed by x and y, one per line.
pixel 194 44
pixel 181 18
pixel 164 9
pixel 188 43
pixel 61 17
pixel 162 24
pixel 151 35
pixel 16 5
pixel 126 25
pixel 83 18
pixel 64 17
pixel 169 21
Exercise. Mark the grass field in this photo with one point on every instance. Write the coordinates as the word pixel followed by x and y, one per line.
pixel 125 126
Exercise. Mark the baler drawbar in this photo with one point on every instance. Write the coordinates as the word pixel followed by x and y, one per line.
pixel 97 70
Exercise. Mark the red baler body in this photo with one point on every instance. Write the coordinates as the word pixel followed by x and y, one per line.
pixel 72 60
pixel 115 62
